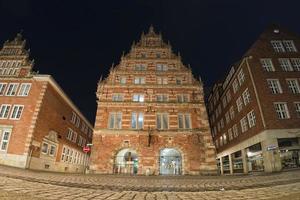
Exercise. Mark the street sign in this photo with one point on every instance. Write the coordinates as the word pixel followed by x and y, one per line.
pixel 86 149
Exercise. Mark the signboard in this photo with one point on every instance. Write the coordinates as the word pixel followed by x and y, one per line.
pixel 271 147
pixel 86 149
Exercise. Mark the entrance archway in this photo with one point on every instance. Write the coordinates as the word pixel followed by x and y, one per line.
pixel 170 162
pixel 126 162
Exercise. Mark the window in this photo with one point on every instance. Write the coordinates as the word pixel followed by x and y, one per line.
pixel 296 63
pixel 4 110
pixel 178 81
pixel 285 64
pixel 70 134
pixel 293 86
pixel 52 150
pixel 45 148
pixel 137 120
pixel 224 138
pixel 235 130
pixel 228 96
pixel 274 86
pixel 24 89
pixel 139 80
pixel 244 124
pixel 224 101
pixel 267 64
pixel 162 121
pixel 117 97
pixel 230 136
pixel 12 89
pixel 115 120
pixel 231 110
pixel 235 86
pixel 140 67
pixel 184 121
pixel 182 98
pixel 162 98
pixel 73 118
pixel 239 104
pixel 251 119
pixel 282 110
pixel 77 122
pixel 277 46
pixel 241 77
pixel 123 80
pixel 2 88
pixel 289 45
pixel 4 141
pixel 80 140
pixel 222 123
pixel 246 96
pixel 138 98
pixel 162 67
pixel 16 112
pixel 162 80
pixel 74 137
pixel 297 108
pixel 227 118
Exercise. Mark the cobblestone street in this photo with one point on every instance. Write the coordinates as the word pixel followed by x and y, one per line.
pixel 24 184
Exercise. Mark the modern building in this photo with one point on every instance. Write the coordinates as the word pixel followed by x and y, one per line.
pixel 40 127
pixel 151 116
pixel 255 112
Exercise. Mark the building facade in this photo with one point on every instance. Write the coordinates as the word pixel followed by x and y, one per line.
pixel 40 127
pixel 151 116
pixel 255 112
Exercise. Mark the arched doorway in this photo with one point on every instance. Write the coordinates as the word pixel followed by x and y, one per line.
pixel 126 162
pixel 170 162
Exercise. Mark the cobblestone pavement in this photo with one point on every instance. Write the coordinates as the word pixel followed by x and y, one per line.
pixel 25 185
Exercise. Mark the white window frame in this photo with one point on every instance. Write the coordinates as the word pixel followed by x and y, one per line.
pixel 16 114
pixel 116 119
pixel 160 123
pixel 277 46
pixel 183 98
pixel 239 104
pixel 297 108
pixel 293 86
pixel 296 64
pixel 24 89
pixel 285 64
pixel 244 124
pixel 274 86
pixel 251 119
pixel 282 110
pixel 5 141
pixel 139 80
pixel 232 112
pixel 3 87
pixel 241 77
pixel 246 97
pixel 123 80
pixel 70 134
pixel 186 121
pixel 289 45
pixel 12 89
pixel 162 97
pixel 267 64
pixel 235 86
pixel 5 113
pixel 73 117
pixel 135 120
pixel 162 80
pixel 117 97
pixel 138 97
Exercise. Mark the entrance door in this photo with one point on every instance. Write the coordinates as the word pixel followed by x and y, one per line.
pixel 126 162
pixel 170 162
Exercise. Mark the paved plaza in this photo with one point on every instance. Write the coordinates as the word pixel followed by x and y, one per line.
pixel 26 184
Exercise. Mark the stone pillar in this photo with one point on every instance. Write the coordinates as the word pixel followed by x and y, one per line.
pixel 221 166
pixel 230 163
pixel 271 155
pixel 245 162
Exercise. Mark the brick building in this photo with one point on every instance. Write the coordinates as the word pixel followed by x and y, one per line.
pixel 255 112
pixel 151 116
pixel 40 127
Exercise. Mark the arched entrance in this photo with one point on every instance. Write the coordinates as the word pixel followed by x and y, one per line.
pixel 126 162
pixel 170 162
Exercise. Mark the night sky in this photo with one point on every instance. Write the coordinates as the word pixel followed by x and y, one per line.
pixel 77 41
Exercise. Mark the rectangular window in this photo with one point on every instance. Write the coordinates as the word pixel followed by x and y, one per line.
pixel 227 118
pixel 4 141
pixel 184 121
pixel 115 120
pixel 2 88
pixel 4 111
pixel 293 86
pixel 230 136
pixel 241 77
pixel 137 120
pixel 74 139
pixel 123 80
pixel 228 96
pixel 222 123
pixel 162 80
pixel 232 114
pixel 239 104
pixel 117 97
pixel 73 118
pixel 162 121
pixel 162 98
pixel 77 122
pixel 282 110
pixel 251 119
pixel 285 64
pixel 274 86
pixel 24 89
pixel 80 140
pixel 12 89
pixel 224 138
pixel 182 98
pixel 44 148
pixel 244 124
pixel 52 150
pixel 296 63
pixel 16 112
pixel 178 81
pixel 246 96
pixel 140 67
pixel 224 101
pixel 235 130
pixel 70 134
pixel 267 64
pixel 63 154
pixel 289 45
pixel 162 67
pixel 277 46
pixel 138 98
pixel 297 108
pixel 235 86
pixel 139 80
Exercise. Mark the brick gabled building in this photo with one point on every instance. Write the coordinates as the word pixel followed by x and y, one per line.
pixel 255 112
pixel 40 127
pixel 151 116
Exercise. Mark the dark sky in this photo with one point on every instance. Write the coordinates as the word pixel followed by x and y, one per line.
pixel 76 41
